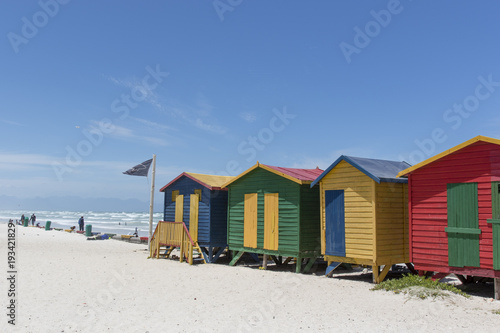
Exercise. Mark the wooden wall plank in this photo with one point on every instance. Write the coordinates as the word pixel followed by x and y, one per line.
pixel 358 206
pixel 474 163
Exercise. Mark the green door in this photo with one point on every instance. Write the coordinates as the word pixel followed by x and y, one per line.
pixel 495 223
pixel 463 225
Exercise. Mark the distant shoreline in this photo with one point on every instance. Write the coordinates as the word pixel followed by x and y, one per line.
pixel 104 222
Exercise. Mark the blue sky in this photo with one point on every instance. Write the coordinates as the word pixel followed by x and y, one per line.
pixel 88 89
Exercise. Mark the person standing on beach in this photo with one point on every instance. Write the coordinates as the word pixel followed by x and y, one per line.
pixel 22 219
pixel 33 219
pixel 81 222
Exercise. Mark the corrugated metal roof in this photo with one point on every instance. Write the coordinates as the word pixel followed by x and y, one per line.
pixel 300 176
pixel 448 152
pixel 212 182
pixel 378 170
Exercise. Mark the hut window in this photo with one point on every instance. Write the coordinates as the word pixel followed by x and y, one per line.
pixel 175 194
pixel 198 192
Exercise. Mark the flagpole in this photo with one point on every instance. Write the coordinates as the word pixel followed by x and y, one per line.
pixel 151 203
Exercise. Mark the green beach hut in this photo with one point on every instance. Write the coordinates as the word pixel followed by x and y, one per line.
pixel 273 211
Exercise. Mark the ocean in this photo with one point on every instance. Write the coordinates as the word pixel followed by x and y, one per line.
pixel 112 222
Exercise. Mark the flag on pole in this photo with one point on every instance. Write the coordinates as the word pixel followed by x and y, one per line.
pixel 140 169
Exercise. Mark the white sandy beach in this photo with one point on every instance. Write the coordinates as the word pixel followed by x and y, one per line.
pixel 69 284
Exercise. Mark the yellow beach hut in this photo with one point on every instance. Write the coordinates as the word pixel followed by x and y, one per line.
pixel 364 215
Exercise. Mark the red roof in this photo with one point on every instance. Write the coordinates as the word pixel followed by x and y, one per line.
pixel 300 174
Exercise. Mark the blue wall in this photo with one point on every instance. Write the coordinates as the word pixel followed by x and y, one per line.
pixel 212 215
pixel 218 216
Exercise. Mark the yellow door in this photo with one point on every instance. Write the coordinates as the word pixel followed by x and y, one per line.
pixel 271 218
pixel 179 208
pixel 250 221
pixel 193 216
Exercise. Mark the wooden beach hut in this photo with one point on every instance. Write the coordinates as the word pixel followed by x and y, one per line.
pixel 364 214
pixel 273 211
pixel 454 211
pixel 199 202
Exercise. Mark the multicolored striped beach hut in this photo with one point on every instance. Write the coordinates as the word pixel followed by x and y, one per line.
pixel 273 211
pixel 200 202
pixel 454 210
pixel 364 214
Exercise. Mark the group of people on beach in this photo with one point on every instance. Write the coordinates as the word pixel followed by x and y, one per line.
pixel 32 219
pixel 81 223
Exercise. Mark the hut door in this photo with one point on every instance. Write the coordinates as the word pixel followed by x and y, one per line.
pixel 250 221
pixel 495 223
pixel 271 218
pixel 334 223
pixel 463 225
pixel 193 216
pixel 179 208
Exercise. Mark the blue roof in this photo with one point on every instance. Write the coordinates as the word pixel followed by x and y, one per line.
pixel 378 170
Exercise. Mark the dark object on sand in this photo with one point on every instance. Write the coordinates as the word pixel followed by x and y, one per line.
pixel 88 230
pixel 99 237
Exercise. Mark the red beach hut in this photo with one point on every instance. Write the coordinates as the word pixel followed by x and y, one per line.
pixel 454 211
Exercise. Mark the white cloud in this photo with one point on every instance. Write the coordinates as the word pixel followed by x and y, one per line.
pixel 29 175
pixel 9 122
pixel 249 117
pixel 127 134
pixel 191 114
pixel 15 162
pixel 31 159
pixel 154 125
pixel 120 132
pixel 187 115
pixel 31 164
pixel 209 127
pixel 197 115
pixel 136 84
pixel 154 141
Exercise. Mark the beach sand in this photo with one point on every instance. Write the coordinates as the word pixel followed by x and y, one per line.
pixel 68 284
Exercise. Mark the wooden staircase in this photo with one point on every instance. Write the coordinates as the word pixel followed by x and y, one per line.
pixel 171 235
